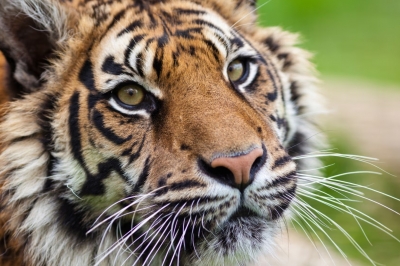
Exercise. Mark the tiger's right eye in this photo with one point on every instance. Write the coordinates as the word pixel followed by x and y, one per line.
pixel 130 94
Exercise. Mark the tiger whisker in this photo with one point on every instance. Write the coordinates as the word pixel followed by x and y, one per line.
pixel 340 202
pixel 182 240
pixel 254 10
pixel 306 232
pixel 153 236
pixel 109 226
pixel 305 217
pixel 113 217
pixel 174 222
pixel 350 210
pixel 173 234
pixel 162 243
pixel 364 159
pixel 115 245
pixel 316 169
pixel 346 184
pixel 155 245
pixel 344 232
pixel 343 189
pixel 145 235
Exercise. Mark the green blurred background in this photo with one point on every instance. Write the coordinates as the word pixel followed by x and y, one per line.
pixel 357 40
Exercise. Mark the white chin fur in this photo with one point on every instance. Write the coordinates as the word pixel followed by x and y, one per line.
pixel 239 242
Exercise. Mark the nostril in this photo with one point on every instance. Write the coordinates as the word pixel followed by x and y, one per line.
pixel 221 174
pixel 258 163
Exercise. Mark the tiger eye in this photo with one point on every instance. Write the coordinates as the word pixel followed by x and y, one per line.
pixel 131 94
pixel 235 70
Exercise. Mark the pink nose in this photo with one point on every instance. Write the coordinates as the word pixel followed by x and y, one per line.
pixel 240 166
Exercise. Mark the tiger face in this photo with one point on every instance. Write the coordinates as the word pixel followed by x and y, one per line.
pixel 164 134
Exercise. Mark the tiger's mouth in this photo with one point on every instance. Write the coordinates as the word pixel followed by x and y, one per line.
pixel 243 212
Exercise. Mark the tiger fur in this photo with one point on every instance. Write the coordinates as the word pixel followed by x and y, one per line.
pixel 85 180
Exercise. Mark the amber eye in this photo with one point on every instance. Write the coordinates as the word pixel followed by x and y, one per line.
pixel 130 94
pixel 236 70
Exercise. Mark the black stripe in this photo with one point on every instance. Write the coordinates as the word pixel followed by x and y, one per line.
pixel 139 64
pixel 130 48
pixel 279 194
pixel 116 19
pixel 214 49
pixel 136 155
pixel 281 161
pixel 98 121
pixel 72 217
pixel 294 92
pixel 187 34
pixel 111 67
pixel 273 95
pixel 163 40
pixel 196 200
pixel 297 145
pixel 279 181
pixel 206 23
pixel 74 128
pixel 187 184
pixel 277 212
pixel 94 183
pixel 237 41
pixel 158 61
pixel 44 120
pixel 182 11
pixel 272 45
pixel 143 177
pixel 132 27
pixel 86 75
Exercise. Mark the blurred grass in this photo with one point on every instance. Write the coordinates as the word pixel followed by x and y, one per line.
pixel 358 38
pixel 380 247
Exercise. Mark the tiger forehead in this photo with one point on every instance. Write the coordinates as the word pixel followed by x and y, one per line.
pixel 159 39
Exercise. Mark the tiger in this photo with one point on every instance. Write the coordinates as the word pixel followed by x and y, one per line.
pixel 150 132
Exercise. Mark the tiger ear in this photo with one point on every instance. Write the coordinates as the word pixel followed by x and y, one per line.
pixel 30 32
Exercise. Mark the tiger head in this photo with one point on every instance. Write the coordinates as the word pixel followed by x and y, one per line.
pixel 149 131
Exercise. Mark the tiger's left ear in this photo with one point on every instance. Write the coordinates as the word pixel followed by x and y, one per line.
pixel 30 32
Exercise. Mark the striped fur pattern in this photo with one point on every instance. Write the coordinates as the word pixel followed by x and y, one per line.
pixel 86 181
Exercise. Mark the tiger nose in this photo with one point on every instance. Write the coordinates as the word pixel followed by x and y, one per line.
pixel 240 166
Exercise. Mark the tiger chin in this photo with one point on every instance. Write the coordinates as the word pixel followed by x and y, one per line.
pixel 149 132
